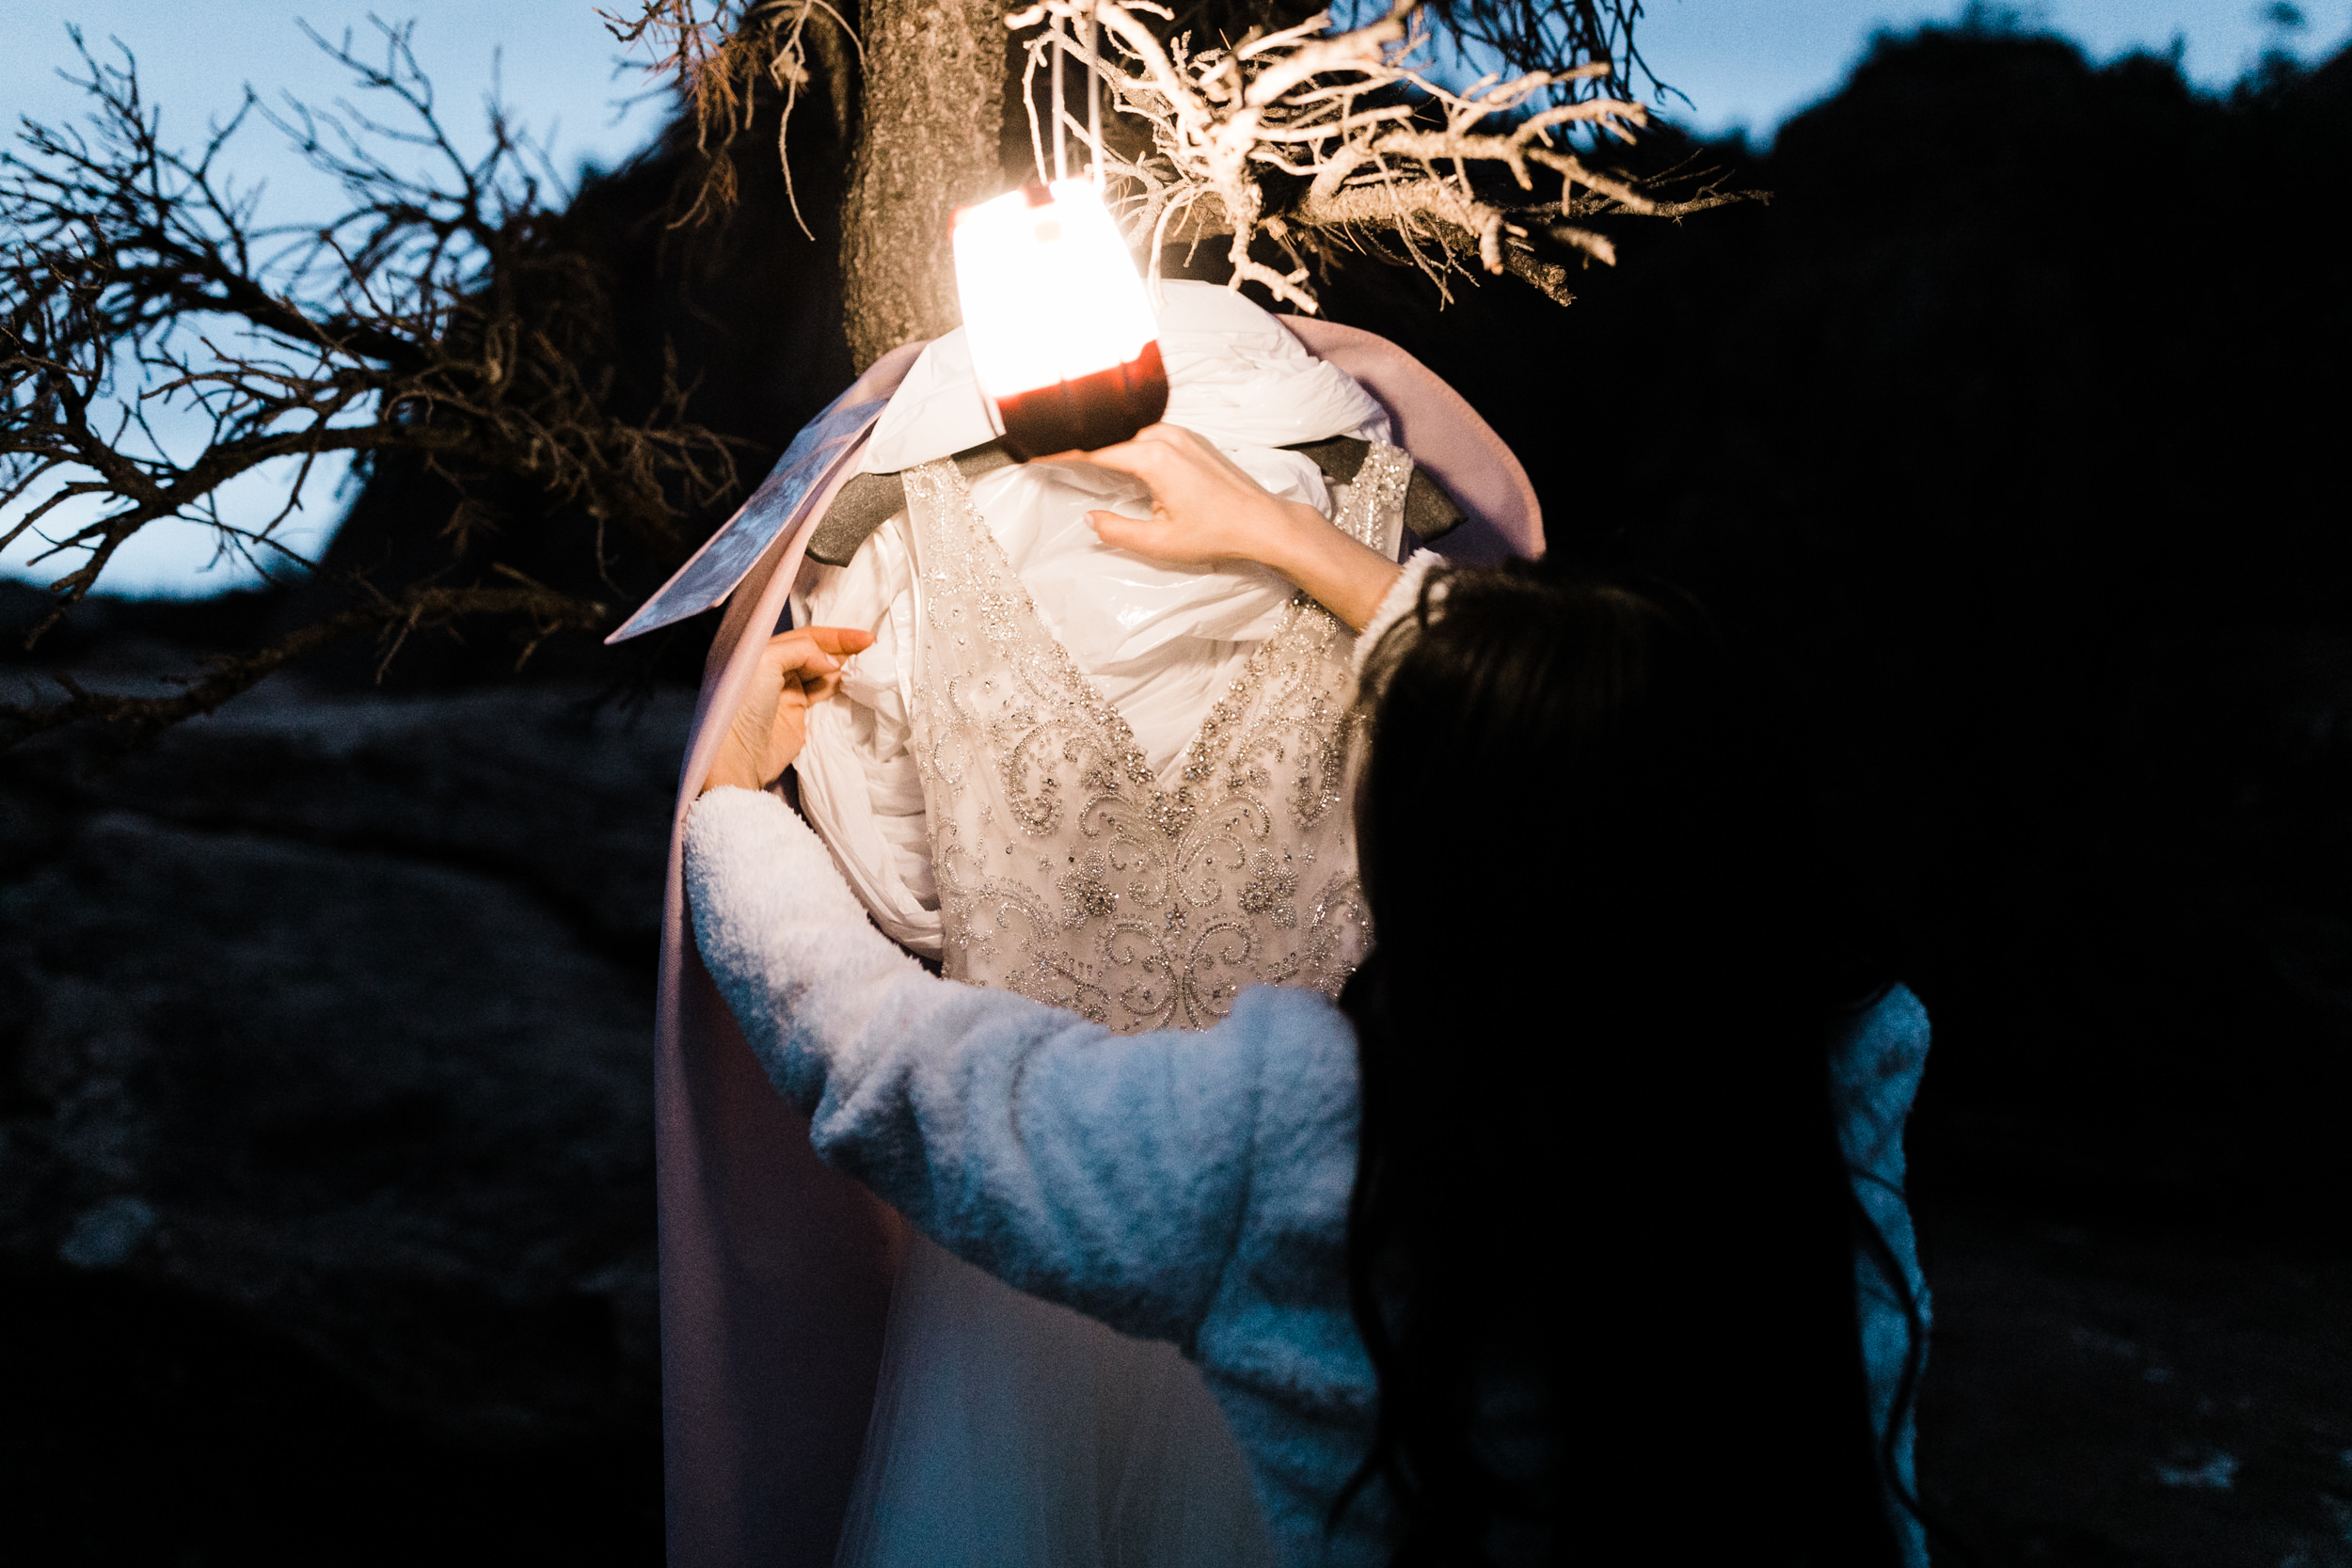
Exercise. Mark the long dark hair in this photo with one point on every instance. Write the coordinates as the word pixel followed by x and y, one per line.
pixel 1603 1243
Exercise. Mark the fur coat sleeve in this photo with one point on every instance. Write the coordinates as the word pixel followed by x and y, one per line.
pixel 1191 1187
pixel 1112 1173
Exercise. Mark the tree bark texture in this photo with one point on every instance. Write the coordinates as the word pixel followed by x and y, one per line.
pixel 933 116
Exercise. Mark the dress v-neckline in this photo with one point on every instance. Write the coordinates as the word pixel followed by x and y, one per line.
pixel 1138 764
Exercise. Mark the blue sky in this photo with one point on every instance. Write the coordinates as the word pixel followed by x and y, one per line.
pixel 1753 63
pixel 554 63
pixel 1748 64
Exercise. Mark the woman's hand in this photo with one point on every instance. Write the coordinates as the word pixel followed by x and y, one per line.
pixel 797 668
pixel 1204 509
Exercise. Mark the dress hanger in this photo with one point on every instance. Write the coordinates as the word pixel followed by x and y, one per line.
pixel 869 501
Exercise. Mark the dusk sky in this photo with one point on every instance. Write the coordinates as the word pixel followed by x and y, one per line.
pixel 1743 63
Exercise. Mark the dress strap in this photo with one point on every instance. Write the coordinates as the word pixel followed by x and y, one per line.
pixel 1373 510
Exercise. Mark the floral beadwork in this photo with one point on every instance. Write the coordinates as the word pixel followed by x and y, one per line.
pixel 1067 871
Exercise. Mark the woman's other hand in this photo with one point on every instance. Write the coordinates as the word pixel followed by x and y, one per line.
pixel 1205 509
pixel 797 668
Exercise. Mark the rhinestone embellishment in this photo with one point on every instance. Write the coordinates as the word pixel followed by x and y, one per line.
pixel 1138 903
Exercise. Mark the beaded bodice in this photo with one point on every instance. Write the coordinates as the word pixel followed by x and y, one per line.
pixel 1067 871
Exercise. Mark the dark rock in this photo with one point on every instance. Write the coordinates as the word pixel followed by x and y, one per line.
pixel 146 1426
pixel 2100 1397
pixel 337 1012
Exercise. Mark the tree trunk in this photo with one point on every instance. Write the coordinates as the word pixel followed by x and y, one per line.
pixel 933 113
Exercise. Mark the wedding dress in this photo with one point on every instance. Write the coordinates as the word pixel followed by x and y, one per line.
pixel 1118 787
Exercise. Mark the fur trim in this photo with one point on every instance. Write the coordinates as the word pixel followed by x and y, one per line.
pixel 1396 604
pixel 786 942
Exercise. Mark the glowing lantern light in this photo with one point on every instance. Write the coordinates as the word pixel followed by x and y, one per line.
pixel 1063 340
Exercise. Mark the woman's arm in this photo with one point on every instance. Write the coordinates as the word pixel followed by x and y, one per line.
pixel 1106 1172
pixel 1874 1077
pixel 1204 509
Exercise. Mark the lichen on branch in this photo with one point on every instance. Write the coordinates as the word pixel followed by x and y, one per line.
pixel 1323 140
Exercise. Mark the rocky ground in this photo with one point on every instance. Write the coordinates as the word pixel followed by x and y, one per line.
pixel 325 1168
pixel 326 1209
pixel 2118 1399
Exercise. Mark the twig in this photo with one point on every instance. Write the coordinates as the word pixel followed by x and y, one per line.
pixel 545 611
pixel 1391 161
pixel 445 318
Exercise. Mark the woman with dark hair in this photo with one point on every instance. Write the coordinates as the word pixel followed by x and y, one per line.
pixel 1573 1228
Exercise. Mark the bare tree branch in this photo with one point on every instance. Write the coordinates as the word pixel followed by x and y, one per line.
pixel 157 341
pixel 1391 161
pixel 1394 162
pixel 719 60
pixel 1553 35
pixel 543 610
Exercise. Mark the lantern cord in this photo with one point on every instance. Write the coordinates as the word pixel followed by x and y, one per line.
pixel 1094 104
pixel 1061 146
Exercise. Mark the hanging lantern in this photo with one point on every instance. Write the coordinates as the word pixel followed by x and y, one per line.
pixel 1063 344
